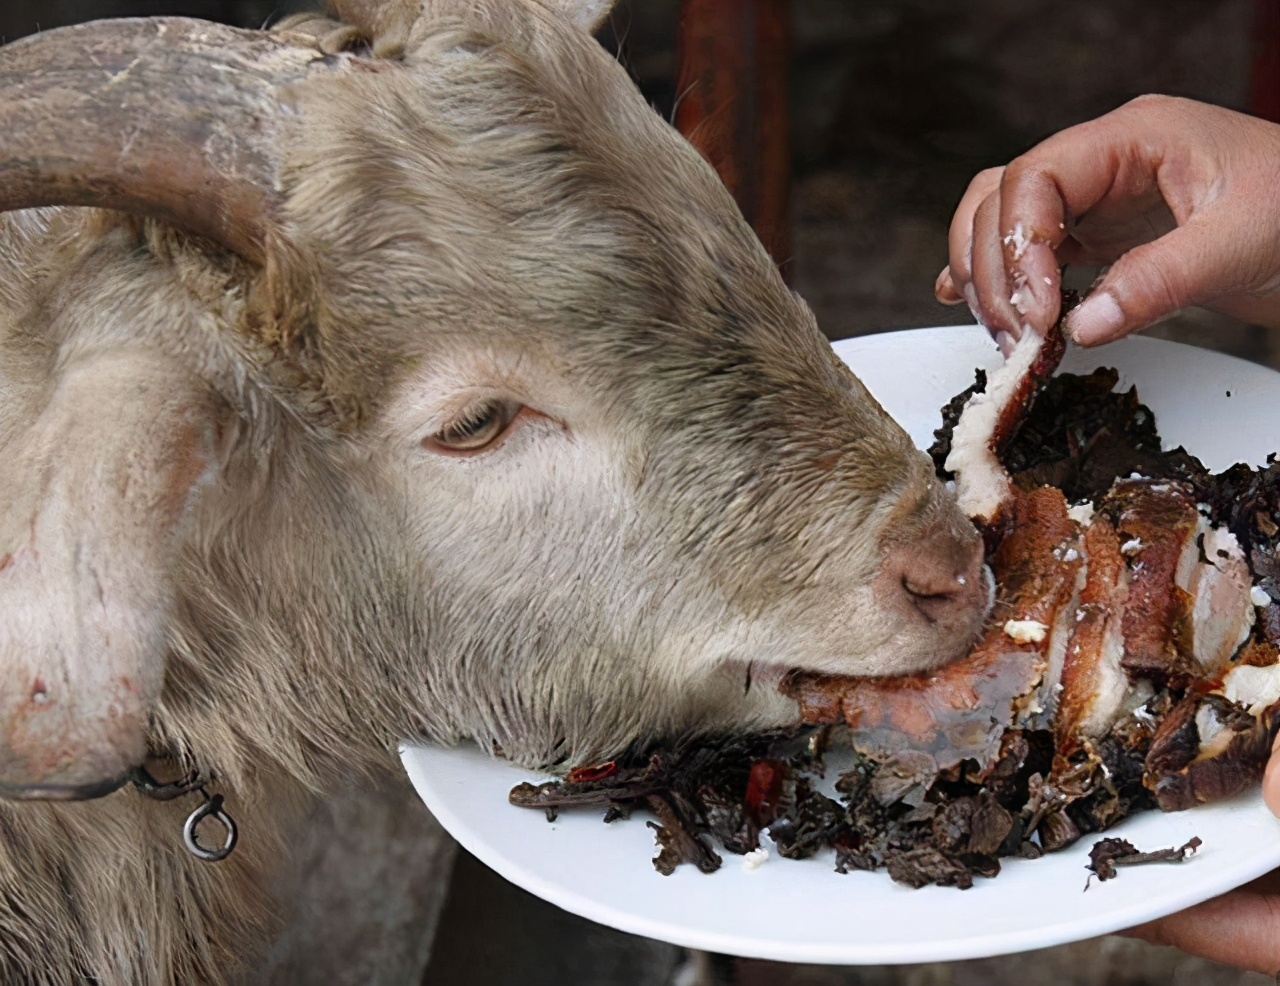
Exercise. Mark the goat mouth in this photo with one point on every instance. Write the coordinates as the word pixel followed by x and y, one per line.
pixel 753 674
pixel 63 792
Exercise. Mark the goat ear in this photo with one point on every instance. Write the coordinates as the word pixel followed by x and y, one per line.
pixel 97 489
pixel 587 15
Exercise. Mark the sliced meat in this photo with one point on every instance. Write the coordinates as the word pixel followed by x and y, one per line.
pixel 1094 683
pixel 961 711
pixel 1215 575
pixel 956 713
pixel 989 421
pixel 1188 608
pixel 1213 746
pixel 1157 524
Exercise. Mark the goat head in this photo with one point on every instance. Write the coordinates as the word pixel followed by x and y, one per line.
pixel 445 394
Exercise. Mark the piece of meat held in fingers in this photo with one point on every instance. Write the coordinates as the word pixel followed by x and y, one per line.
pixel 961 711
pixel 989 421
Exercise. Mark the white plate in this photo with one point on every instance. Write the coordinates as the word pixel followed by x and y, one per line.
pixel 802 911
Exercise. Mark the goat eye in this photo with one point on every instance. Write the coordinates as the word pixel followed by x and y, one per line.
pixel 475 429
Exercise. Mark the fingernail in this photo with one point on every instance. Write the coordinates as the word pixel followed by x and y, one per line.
pixel 1006 342
pixel 1098 319
pixel 971 299
pixel 944 288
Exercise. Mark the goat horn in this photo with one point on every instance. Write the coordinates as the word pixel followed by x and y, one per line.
pixel 169 118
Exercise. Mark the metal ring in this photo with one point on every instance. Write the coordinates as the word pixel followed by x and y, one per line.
pixel 212 807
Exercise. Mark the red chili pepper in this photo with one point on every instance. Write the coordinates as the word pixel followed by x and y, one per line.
pixel 586 775
pixel 764 790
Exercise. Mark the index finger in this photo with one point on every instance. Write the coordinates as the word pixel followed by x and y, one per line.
pixel 960 234
pixel 1045 190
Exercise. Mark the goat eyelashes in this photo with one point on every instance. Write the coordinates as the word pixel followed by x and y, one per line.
pixel 481 427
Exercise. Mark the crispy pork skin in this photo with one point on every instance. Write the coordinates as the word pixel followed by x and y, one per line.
pixel 1157 524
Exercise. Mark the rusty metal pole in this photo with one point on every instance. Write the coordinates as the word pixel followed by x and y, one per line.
pixel 732 105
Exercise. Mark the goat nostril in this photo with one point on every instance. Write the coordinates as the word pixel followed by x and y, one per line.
pixel 933 600
pixel 940 576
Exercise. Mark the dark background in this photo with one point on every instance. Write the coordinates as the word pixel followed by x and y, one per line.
pixel 895 104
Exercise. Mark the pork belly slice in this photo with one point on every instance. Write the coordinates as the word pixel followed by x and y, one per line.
pixel 990 419
pixel 1188 608
pixel 1214 573
pixel 1213 746
pixel 960 712
pixel 956 713
pixel 1157 524
pixel 1167 596
pixel 1094 682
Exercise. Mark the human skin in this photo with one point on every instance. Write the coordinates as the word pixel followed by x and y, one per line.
pixel 1240 928
pixel 1182 199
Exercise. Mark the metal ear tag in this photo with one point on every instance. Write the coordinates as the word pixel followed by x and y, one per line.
pixel 211 808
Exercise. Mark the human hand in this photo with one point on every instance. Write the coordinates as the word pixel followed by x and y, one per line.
pixel 1181 198
pixel 1240 928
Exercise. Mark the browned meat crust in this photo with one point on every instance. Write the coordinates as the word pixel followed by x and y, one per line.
pixel 1091 671
pixel 1156 522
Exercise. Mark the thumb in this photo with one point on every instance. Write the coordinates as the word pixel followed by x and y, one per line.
pixel 1189 265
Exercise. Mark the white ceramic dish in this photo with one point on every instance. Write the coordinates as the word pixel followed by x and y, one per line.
pixel 1223 410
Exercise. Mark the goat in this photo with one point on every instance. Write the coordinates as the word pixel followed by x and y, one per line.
pixel 435 388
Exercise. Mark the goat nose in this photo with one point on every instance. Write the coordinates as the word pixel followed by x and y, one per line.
pixel 943 578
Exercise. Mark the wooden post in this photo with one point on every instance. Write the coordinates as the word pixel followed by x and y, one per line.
pixel 732 105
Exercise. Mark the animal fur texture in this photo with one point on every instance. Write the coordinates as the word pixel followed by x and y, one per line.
pixel 234 541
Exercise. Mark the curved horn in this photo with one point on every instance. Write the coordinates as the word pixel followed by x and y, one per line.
pixel 170 118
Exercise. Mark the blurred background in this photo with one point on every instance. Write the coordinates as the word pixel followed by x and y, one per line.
pixel 849 129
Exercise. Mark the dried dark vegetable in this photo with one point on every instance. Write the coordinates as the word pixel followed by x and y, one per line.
pixel 724 789
pixel 1107 854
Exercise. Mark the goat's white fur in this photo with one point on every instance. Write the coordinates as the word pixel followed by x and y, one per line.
pixel 707 488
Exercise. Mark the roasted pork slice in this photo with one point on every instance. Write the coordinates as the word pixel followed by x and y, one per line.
pixel 1189 607
pixel 1166 597
pixel 1216 744
pixel 1157 524
pixel 961 711
pixel 990 419
pixel 1216 576
pixel 1094 682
